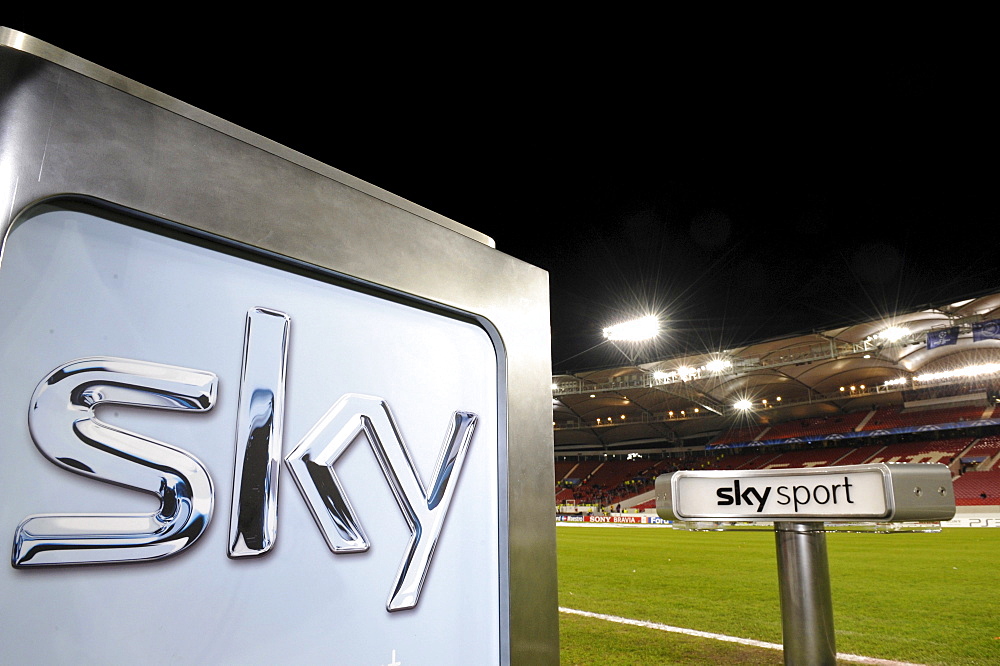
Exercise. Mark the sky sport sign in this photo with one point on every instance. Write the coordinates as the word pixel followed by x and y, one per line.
pixel 799 502
pixel 856 495
pixel 877 492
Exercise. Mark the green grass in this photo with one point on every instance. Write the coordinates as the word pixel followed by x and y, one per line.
pixel 925 598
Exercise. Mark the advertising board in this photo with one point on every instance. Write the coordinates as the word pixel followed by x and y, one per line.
pixel 268 408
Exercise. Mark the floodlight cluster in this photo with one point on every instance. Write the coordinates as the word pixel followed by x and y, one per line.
pixel 746 404
pixel 718 365
pixel 635 330
pixel 967 371
pixel 892 334
pixel 685 373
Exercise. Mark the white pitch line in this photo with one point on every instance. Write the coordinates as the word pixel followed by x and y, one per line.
pixel 722 637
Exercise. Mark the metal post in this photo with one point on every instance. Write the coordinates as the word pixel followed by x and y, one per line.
pixel 804 588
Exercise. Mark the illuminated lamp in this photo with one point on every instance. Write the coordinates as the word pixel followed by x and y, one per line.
pixel 635 330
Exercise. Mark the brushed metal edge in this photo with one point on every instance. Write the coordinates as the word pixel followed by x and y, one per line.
pixel 23 42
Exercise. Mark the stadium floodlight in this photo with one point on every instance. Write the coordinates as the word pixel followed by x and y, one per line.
pixel 894 333
pixel 635 330
pixel 718 365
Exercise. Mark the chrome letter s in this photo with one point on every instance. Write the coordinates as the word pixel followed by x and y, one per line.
pixel 65 429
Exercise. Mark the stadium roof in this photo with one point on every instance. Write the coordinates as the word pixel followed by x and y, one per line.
pixel 930 355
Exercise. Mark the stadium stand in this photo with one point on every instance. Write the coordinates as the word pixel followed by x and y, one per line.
pixel 943 451
pixel 613 481
pixel 843 396
pixel 749 434
pixel 728 460
pixel 895 418
pixel 983 455
pixel 862 454
pixel 978 488
pixel 825 425
pixel 563 468
pixel 809 458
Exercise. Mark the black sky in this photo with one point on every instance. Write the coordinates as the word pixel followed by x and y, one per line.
pixel 745 184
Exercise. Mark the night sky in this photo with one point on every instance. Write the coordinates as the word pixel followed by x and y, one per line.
pixel 745 185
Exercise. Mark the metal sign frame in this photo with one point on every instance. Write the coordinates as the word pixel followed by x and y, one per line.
pixel 71 128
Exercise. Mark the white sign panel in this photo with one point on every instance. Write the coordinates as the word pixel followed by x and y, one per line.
pixel 838 493
pixel 192 433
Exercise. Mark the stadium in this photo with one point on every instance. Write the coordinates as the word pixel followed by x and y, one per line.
pixel 919 387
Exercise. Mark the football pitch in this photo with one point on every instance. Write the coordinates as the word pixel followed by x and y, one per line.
pixel 910 597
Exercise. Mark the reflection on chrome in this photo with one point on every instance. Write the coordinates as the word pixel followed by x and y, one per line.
pixel 64 427
pixel 311 465
pixel 253 519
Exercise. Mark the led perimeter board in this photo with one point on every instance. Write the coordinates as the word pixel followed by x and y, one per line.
pixel 254 410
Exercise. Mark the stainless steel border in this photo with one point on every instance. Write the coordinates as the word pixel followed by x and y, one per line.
pixel 68 126
pixel 28 44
